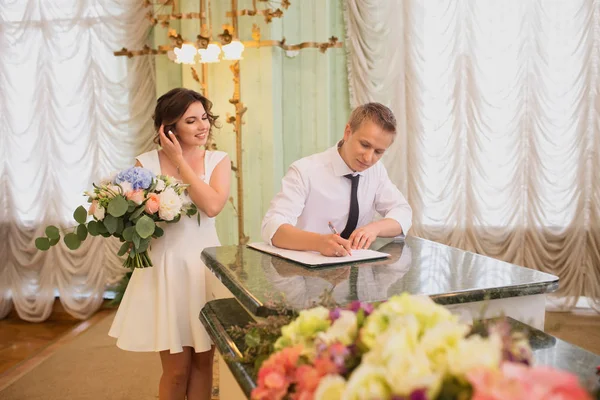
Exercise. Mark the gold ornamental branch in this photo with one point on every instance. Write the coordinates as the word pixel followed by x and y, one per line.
pixel 332 43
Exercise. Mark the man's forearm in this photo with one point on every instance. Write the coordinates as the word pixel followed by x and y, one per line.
pixel 388 227
pixel 290 237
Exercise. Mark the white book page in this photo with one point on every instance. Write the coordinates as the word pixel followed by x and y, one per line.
pixel 314 258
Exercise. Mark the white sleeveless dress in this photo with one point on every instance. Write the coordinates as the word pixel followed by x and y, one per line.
pixel 161 306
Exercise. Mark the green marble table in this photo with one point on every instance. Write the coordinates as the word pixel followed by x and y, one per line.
pixel 464 282
pixel 218 315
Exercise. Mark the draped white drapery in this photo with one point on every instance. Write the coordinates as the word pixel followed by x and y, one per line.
pixel 498 109
pixel 70 113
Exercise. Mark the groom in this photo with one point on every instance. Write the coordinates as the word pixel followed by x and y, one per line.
pixel 328 200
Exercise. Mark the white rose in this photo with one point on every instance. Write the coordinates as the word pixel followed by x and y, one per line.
pixel 126 186
pixel 160 185
pixel 99 213
pixel 343 329
pixel 170 204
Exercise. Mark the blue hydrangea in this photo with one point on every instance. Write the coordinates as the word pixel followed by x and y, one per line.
pixel 140 178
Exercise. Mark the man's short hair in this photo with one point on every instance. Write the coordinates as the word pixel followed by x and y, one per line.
pixel 377 113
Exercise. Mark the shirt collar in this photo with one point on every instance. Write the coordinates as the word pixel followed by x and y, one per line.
pixel 340 168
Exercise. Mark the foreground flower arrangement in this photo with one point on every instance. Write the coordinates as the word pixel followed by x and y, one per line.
pixel 128 206
pixel 407 348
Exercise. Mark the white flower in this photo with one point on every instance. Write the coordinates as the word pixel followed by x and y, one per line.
pixel 343 329
pixel 475 352
pixel 99 212
pixel 126 186
pixel 330 387
pixel 367 382
pixel 92 195
pixel 160 185
pixel 170 204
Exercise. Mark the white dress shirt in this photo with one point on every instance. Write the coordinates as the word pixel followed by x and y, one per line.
pixel 314 191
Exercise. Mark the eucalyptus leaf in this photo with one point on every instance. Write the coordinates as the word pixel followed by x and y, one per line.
pixel 143 245
pixel 72 241
pixel 80 215
pixel 102 228
pixel 42 243
pixel 136 240
pixel 136 213
pixel 92 228
pixel 158 232
pixel 120 226
pixel 124 249
pixel 82 232
pixel 145 227
pixel 105 234
pixel 128 233
pixel 53 242
pixel 111 223
pixel 52 232
pixel 118 206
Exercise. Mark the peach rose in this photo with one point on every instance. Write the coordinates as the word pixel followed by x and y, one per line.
pixel 92 209
pixel 137 196
pixel 152 203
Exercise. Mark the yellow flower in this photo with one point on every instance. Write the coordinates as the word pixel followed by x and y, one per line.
pixel 331 387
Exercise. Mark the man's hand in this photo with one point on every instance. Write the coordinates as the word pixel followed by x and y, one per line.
pixel 362 237
pixel 334 246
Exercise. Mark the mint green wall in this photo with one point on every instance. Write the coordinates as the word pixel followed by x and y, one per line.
pixel 296 106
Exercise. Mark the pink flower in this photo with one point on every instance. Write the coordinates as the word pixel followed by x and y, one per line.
pixel 137 196
pixel 92 208
pixel 276 374
pixel 519 382
pixel 152 203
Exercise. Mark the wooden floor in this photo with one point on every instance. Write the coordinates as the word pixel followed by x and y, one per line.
pixel 23 345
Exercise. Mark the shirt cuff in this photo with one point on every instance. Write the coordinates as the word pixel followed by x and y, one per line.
pixel 269 229
pixel 403 217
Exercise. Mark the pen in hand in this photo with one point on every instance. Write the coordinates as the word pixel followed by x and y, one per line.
pixel 335 232
pixel 332 228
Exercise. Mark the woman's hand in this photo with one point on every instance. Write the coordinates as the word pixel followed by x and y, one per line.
pixel 170 146
pixel 362 237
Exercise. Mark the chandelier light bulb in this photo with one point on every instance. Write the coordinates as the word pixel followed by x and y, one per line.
pixel 210 54
pixel 186 54
pixel 233 50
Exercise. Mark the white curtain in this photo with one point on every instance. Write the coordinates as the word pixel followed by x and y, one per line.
pixel 498 107
pixel 70 113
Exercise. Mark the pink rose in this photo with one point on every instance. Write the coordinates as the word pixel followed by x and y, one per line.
pixel 517 381
pixel 92 209
pixel 152 203
pixel 137 196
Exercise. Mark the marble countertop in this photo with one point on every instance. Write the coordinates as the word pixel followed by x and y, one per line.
pixel 219 315
pixel 418 266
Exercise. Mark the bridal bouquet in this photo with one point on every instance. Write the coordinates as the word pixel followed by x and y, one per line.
pixel 127 206
pixel 405 348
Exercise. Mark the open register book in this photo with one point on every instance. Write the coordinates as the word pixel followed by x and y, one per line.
pixel 315 259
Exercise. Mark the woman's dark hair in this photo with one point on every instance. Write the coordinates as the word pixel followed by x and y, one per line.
pixel 171 106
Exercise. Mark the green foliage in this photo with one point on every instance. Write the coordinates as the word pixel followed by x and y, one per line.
pixel 118 206
pixel 144 227
pixel 82 232
pixel 42 243
pixel 72 241
pixel 52 232
pixel 80 215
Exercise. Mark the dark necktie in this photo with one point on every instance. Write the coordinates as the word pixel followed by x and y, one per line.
pixel 353 215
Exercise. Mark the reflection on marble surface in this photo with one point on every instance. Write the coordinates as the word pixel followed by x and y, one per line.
pixel 418 266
